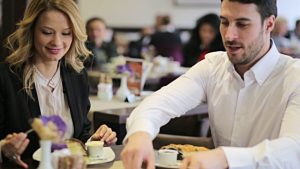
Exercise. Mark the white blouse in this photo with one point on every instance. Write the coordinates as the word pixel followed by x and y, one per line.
pixel 52 100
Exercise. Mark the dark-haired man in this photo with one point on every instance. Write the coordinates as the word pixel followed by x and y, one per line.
pixel 252 92
pixel 103 51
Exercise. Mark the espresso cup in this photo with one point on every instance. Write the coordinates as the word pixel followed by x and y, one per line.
pixel 95 149
pixel 167 157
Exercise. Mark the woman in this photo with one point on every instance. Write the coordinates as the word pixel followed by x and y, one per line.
pixel 44 75
pixel 205 38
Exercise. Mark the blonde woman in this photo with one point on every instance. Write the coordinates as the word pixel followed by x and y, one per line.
pixel 44 75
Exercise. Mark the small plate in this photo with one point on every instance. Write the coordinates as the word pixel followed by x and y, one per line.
pixel 108 155
pixel 177 165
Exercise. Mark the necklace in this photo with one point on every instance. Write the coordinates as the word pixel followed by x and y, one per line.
pixel 53 82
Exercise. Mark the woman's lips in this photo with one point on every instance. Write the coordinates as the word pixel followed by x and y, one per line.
pixel 54 50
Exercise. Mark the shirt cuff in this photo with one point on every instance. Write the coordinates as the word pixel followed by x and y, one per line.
pixel 141 125
pixel 239 157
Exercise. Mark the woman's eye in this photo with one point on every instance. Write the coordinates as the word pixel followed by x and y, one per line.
pixel 47 32
pixel 66 33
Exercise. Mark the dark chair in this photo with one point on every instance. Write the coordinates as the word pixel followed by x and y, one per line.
pixel 165 139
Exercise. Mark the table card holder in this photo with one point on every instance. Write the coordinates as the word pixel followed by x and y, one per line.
pixel 123 91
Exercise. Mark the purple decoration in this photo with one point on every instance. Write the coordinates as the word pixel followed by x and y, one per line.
pixel 58 146
pixel 124 69
pixel 61 125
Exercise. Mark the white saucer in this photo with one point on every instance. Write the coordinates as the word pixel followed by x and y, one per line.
pixel 108 155
pixel 177 165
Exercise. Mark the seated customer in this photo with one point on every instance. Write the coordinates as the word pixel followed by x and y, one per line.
pixel 205 38
pixel 44 75
pixel 283 44
pixel 167 43
pixel 102 51
pixel 252 92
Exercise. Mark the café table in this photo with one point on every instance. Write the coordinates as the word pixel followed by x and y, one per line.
pixel 115 164
pixel 116 119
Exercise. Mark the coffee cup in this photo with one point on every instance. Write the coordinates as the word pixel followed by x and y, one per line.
pixel 95 149
pixel 167 157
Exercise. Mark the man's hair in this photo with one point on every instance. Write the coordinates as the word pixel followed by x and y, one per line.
pixel 94 19
pixel 297 23
pixel 265 8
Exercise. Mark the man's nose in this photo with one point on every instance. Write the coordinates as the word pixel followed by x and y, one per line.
pixel 231 33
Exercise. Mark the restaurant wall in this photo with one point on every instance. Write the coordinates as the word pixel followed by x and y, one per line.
pixel 139 13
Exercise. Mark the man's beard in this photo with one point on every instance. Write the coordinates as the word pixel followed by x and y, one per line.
pixel 250 53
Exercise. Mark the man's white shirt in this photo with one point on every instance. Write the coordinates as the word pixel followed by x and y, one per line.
pixel 256 120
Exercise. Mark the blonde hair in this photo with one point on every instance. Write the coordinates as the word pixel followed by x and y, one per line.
pixel 21 44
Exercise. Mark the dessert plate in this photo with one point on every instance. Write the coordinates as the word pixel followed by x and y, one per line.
pixel 108 155
pixel 177 165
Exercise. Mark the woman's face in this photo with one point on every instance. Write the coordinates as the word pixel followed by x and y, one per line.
pixel 207 34
pixel 52 36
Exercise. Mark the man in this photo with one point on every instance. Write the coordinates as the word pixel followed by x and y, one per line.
pixel 252 92
pixel 102 51
pixel 166 41
pixel 295 39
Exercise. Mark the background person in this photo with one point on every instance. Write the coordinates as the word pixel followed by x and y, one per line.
pixel 205 38
pixel 102 51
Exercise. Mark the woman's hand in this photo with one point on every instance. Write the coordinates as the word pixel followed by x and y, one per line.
pixel 13 146
pixel 105 134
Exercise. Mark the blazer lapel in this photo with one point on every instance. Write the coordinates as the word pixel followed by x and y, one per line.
pixel 68 89
pixel 34 107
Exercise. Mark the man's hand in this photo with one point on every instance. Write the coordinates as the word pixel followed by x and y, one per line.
pixel 138 149
pixel 214 159
pixel 106 135
pixel 13 146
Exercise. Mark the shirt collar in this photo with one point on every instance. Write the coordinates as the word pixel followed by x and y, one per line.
pixel 52 82
pixel 263 68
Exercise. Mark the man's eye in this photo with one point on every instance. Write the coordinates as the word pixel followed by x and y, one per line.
pixel 224 23
pixel 241 25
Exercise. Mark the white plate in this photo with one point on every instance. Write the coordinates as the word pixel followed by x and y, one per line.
pixel 177 165
pixel 108 155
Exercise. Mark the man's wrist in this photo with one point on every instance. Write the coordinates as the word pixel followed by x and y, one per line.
pixel 222 157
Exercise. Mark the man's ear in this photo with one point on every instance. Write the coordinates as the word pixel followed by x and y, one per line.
pixel 269 23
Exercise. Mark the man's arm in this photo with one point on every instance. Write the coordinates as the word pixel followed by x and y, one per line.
pixel 181 95
pixel 171 101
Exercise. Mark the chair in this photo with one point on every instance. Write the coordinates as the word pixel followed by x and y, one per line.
pixel 165 139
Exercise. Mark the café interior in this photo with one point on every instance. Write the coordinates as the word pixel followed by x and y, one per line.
pixel 143 46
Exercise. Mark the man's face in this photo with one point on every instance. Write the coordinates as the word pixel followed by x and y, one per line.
pixel 243 33
pixel 96 31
